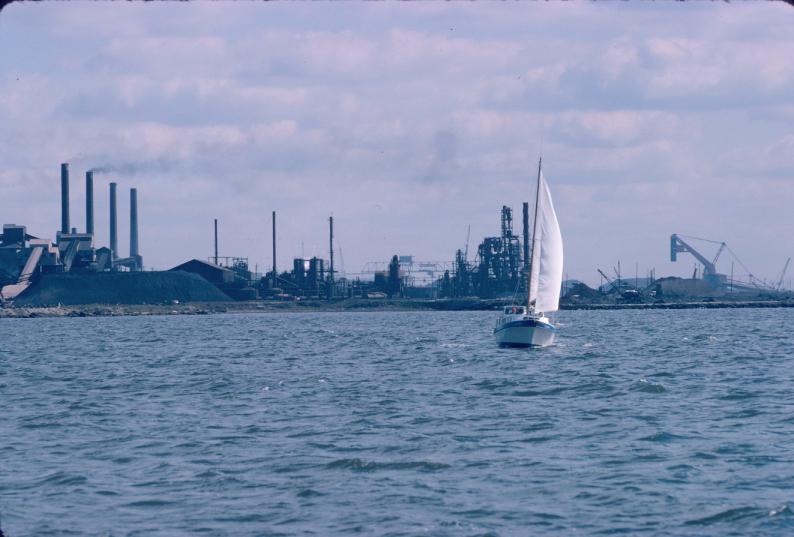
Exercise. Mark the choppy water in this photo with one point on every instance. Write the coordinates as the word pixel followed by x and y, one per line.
pixel 656 422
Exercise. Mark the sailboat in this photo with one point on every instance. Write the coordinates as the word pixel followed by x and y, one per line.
pixel 528 326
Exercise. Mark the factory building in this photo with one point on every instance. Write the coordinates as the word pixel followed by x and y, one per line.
pixel 23 257
pixel 308 277
pixel 234 281
pixel 77 249
pixel 216 275
pixel 500 268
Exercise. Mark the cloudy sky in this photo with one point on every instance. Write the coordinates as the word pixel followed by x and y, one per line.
pixel 408 123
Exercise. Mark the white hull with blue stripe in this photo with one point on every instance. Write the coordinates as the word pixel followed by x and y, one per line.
pixel 519 330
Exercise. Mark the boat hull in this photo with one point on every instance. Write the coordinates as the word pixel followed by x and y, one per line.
pixel 525 333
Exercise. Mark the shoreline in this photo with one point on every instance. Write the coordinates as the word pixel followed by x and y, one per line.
pixel 684 305
pixel 348 305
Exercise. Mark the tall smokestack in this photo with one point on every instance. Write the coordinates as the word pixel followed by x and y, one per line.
pixel 89 202
pixel 114 243
pixel 331 247
pixel 216 241
pixel 526 237
pixel 65 198
pixel 274 249
pixel 133 222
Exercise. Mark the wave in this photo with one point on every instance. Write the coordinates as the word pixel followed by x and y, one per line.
pixel 62 479
pixel 740 513
pixel 646 386
pixel 309 493
pixel 361 465
pixel 153 502
pixel 662 437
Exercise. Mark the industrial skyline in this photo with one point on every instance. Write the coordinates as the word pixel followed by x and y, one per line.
pixel 408 130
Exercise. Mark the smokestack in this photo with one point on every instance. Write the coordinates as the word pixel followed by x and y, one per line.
pixel 114 243
pixel 89 202
pixel 331 246
pixel 216 241
pixel 274 249
pixel 65 198
pixel 133 222
pixel 526 237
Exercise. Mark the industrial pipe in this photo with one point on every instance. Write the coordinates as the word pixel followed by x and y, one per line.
pixel 133 222
pixel 64 198
pixel 216 241
pixel 274 249
pixel 331 248
pixel 114 245
pixel 89 202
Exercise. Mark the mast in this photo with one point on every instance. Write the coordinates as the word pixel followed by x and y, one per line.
pixel 534 234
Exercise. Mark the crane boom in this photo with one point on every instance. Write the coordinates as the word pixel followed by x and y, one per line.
pixel 678 245
pixel 782 275
pixel 716 257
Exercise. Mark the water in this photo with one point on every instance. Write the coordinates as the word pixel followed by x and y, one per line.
pixel 655 422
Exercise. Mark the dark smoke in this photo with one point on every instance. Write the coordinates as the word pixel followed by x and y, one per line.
pixel 134 168
pixel 443 162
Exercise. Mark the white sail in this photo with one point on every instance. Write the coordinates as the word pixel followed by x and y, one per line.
pixel 546 271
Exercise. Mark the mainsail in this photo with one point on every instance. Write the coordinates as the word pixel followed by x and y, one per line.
pixel 545 279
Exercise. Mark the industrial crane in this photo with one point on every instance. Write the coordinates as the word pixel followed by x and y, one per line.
pixel 782 275
pixel 601 272
pixel 625 294
pixel 678 245
pixel 607 278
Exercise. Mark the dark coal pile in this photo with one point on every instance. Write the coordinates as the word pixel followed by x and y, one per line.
pixel 581 290
pixel 119 288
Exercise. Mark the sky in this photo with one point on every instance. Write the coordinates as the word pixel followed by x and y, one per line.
pixel 408 122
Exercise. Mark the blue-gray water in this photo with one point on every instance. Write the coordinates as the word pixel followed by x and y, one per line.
pixel 656 422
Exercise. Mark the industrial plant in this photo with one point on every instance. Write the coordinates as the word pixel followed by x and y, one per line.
pixel 74 269
pixel 24 257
